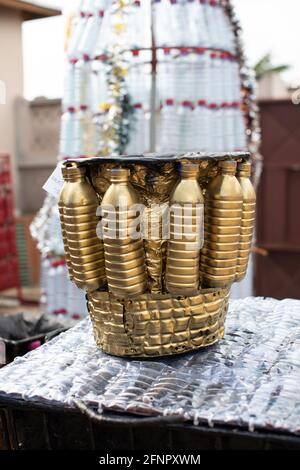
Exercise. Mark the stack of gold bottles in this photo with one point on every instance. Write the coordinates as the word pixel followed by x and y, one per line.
pixel 163 293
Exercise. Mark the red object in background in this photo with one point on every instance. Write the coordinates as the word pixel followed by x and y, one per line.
pixel 9 264
pixel 2 204
pixel 4 242
pixel 8 205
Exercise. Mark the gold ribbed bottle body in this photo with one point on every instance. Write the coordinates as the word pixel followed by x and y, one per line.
pixel 61 205
pixel 186 223
pixel 78 206
pixel 124 254
pixel 223 215
pixel 248 219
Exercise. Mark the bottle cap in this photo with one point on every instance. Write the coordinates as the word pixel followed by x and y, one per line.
pixel 228 166
pixel 187 104
pixel 189 170
pixel 244 169
pixel 71 171
pixel 119 175
pixel 184 50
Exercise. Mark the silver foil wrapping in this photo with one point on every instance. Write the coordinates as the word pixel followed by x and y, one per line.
pixel 249 379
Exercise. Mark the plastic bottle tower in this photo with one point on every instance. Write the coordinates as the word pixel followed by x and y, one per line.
pixel 160 75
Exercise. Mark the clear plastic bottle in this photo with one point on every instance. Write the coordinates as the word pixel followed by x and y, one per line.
pixel 97 123
pixel 67 133
pixel 211 25
pixel 45 267
pixel 186 224
pixel 216 79
pixel 68 100
pixel 185 126
pixel 192 11
pixel 51 289
pixel 139 136
pixel 227 88
pixel 169 127
pixel 138 25
pixel 202 27
pixel 221 26
pixel 230 42
pixel 80 22
pixel 235 80
pixel 223 216
pixel 183 75
pixel 87 44
pixel 201 126
pixel 124 254
pixel 229 127
pixel 178 17
pixel 76 302
pixel 60 289
pixel 216 128
pixel 161 25
pixel 82 84
pixel 240 128
pixel 136 78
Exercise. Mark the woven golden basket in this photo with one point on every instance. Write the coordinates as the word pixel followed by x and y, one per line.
pixel 157 324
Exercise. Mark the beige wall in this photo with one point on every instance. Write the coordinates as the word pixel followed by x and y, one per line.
pixel 11 72
pixel 38 124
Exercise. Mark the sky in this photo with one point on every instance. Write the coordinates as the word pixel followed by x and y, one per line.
pixel 268 26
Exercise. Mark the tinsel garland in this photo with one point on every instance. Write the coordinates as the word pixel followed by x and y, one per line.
pixel 117 122
pixel 251 110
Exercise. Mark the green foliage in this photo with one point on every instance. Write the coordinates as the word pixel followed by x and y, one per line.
pixel 265 66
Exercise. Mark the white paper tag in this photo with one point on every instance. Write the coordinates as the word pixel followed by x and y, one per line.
pixel 55 182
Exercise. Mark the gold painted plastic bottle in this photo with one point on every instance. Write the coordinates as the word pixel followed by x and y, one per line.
pixel 248 218
pixel 78 205
pixel 61 205
pixel 223 215
pixel 124 256
pixel 183 253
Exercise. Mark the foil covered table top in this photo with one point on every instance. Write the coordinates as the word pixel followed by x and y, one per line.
pixel 249 379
